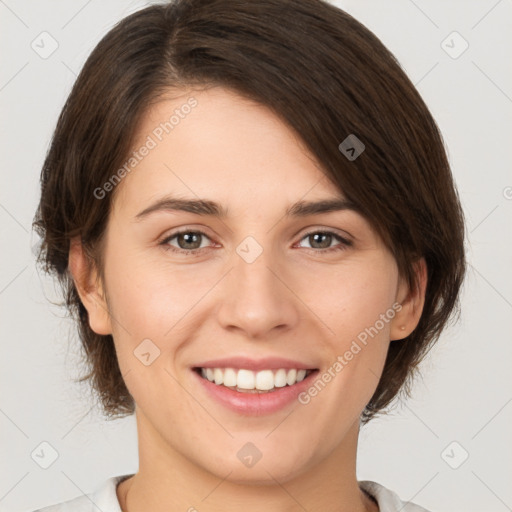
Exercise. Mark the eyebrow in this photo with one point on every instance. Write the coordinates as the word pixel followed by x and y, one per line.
pixel 211 208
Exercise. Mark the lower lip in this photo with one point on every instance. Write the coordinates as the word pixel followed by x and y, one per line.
pixel 255 404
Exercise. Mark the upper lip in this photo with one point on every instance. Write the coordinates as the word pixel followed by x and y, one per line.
pixel 267 363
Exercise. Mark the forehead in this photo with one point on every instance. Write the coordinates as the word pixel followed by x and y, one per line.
pixel 216 143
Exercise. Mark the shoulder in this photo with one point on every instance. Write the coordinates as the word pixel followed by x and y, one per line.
pixel 388 500
pixel 103 498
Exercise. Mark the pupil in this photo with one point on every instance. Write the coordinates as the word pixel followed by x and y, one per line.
pixel 316 235
pixel 186 237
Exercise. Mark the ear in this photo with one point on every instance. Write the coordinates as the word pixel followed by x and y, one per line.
pixel 412 301
pixel 89 287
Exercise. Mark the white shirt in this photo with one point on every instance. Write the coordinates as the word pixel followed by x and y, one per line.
pixel 104 498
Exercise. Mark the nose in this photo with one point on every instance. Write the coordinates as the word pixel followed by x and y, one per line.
pixel 258 297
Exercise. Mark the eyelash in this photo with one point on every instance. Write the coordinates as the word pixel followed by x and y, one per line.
pixel 165 242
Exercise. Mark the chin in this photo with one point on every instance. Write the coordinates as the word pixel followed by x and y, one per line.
pixel 273 465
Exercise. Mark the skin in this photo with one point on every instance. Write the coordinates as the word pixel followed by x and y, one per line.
pixel 213 304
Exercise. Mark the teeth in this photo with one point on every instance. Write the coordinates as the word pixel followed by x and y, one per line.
pixel 229 377
pixel 218 376
pixel 291 377
pixel 264 380
pixel 247 380
pixel 280 378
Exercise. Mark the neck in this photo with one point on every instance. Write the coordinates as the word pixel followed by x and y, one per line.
pixel 167 480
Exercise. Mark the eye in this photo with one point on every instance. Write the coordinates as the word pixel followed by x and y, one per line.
pixel 189 241
pixel 324 240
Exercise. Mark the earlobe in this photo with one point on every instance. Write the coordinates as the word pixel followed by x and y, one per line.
pixel 412 301
pixel 89 288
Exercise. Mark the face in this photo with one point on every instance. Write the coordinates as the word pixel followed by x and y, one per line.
pixel 273 292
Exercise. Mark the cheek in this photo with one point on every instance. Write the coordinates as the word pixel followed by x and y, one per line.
pixel 149 297
pixel 351 297
pixel 357 306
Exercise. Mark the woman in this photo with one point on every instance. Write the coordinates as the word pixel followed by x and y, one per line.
pixel 253 217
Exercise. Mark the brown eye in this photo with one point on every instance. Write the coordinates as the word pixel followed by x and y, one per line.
pixel 322 241
pixel 187 241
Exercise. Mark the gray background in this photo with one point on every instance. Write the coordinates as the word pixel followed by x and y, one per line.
pixel 465 394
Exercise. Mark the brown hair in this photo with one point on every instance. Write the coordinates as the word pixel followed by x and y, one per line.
pixel 325 75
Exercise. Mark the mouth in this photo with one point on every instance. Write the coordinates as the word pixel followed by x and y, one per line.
pixel 253 386
pixel 244 380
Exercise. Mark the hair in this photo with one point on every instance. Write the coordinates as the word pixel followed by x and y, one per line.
pixel 326 76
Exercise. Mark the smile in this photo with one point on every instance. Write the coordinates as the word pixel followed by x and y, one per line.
pixel 253 392
pixel 248 381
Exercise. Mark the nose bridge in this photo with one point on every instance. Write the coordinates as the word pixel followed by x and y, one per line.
pixel 252 276
pixel 252 267
pixel 257 299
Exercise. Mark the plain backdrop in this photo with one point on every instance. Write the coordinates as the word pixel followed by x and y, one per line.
pixel 449 447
